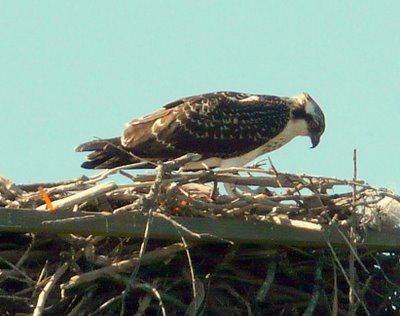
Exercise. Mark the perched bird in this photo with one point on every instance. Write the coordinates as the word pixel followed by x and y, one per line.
pixel 227 129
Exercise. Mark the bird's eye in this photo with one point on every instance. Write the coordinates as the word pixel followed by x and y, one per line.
pixel 313 124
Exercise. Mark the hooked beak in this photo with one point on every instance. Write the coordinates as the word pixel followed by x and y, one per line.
pixel 315 140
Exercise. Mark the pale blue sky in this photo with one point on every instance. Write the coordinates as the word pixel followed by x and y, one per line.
pixel 72 71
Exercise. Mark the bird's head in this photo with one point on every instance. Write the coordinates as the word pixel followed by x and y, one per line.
pixel 305 108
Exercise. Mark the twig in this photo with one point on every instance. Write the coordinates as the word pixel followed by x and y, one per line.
pixel 143 305
pixel 264 289
pixel 150 198
pixel 238 297
pixel 40 279
pixel 15 270
pixel 105 174
pixel 198 299
pixel 352 247
pixel 352 236
pixel 346 277
pixel 180 228
pixel 76 310
pixel 47 289
pixel 124 266
pixel 153 290
pixel 14 298
pixel 82 196
pixel 25 256
pixel 107 303
pixel 354 308
pixel 275 171
pixel 34 186
pixel 197 286
pixel 335 304
pixel 318 281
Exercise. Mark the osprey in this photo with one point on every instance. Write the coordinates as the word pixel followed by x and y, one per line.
pixel 228 129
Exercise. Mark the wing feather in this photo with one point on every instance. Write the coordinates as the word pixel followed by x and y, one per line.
pixel 223 124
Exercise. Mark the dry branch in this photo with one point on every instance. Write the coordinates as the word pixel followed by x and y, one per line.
pixel 250 252
pixel 46 290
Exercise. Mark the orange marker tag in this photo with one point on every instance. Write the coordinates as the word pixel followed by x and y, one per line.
pixel 46 199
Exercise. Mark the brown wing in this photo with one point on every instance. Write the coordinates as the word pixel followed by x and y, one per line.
pixel 221 124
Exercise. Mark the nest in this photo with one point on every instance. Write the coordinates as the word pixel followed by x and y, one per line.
pixel 54 274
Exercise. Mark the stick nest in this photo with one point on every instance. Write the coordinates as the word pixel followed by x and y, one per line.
pixel 47 274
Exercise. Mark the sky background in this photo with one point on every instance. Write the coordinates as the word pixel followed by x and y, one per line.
pixel 70 72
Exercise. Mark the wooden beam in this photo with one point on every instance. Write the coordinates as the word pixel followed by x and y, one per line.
pixel 235 230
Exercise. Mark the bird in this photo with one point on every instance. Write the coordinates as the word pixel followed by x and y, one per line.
pixel 227 129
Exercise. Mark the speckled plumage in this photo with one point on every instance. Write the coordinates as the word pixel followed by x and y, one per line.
pixel 219 126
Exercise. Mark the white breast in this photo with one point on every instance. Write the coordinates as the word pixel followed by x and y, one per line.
pixel 292 129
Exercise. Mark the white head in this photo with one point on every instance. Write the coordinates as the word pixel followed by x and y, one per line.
pixel 305 108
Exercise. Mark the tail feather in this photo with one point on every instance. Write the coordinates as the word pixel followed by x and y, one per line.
pixel 98 144
pixel 107 154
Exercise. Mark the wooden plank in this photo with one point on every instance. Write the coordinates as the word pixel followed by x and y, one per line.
pixel 132 225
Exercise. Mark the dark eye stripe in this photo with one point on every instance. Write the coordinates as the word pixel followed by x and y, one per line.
pixel 299 114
